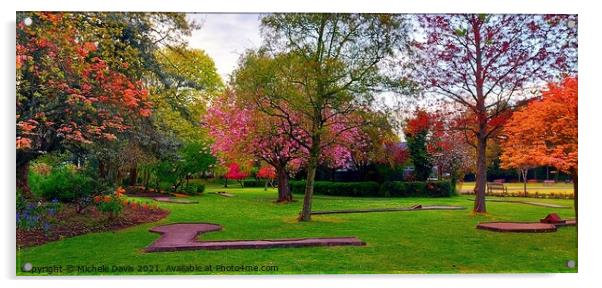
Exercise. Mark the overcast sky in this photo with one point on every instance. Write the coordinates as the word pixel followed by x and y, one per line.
pixel 225 37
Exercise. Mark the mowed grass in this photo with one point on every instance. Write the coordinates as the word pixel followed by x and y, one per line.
pixel 397 242
pixel 540 188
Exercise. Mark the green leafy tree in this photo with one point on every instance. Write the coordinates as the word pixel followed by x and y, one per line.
pixel 322 67
pixel 417 146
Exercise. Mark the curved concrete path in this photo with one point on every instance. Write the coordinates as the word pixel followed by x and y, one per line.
pixel 517 227
pixel 541 204
pixel 528 227
pixel 182 236
pixel 175 200
pixel 414 208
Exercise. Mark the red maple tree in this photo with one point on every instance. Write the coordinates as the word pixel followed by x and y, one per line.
pixel 235 173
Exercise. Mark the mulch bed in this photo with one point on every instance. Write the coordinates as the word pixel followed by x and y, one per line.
pixel 69 224
pixel 183 236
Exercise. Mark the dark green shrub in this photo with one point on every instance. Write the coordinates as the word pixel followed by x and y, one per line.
pixel 416 189
pixel 66 185
pixel 373 189
pixel 365 189
pixel 253 183
pixel 193 189
pixel 165 186
pixel 200 188
pixel 189 189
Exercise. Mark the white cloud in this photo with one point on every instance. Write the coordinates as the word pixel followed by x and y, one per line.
pixel 225 37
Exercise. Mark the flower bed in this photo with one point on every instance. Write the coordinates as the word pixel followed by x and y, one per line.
pixel 68 223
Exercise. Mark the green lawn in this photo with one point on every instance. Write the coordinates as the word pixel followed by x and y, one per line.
pixel 540 188
pixel 397 242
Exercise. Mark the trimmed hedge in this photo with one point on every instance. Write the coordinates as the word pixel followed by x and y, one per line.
pixel 416 189
pixel 373 189
pixel 338 188
pixel 253 183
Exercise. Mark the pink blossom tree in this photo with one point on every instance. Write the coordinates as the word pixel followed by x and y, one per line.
pixel 240 132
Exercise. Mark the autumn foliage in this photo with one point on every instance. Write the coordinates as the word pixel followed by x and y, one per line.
pixel 88 100
pixel 235 173
pixel 545 132
pixel 266 172
pixel 68 93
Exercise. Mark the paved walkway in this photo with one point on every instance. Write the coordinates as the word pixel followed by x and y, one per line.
pixel 183 236
pixel 528 227
pixel 549 205
pixel 517 227
pixel 418 208
pixel 175 200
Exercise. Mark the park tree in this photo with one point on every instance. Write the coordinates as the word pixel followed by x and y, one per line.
pixel 396 154
pixel 515 155
pixel 321 67
pixel 454 155
pixel 482 62
pixel 174 133
pixel 68 95
pixel 545 131
pixel 243 134
pixel 192 82
pixel 423 133
pixel 80 78
pixel 268 173
pixel 367 145
pixel 235 173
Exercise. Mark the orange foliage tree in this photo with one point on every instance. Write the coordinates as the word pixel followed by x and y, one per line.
pixel 545 132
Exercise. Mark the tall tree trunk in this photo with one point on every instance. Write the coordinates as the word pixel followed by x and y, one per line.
pixel 102 169
pixel 146 179
pixel 284 191
pixel 133 175
pixel 312 166
pixel 525 172
pixel 22 179
pixel 575 190
pixel 479 202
